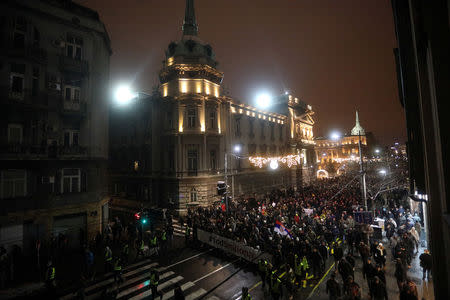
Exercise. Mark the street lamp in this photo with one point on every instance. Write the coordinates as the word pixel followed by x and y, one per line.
pixel 273 164
pixel 123 95
pixel 335 136
pixel 237 148
pixel 263 100
pixel 382 172
pixel 377 151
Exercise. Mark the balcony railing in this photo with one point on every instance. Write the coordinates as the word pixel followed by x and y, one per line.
pixel 30 52
pixel 42 151
pixel 24 98
pixel 72 150
pixel 74 108
pixel 72 65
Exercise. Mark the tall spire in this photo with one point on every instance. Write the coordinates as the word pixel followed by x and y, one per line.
pixel 190 26
pixel 358 130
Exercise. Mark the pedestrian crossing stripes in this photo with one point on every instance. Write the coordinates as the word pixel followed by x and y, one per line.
pixel 179 230
pixel 136 284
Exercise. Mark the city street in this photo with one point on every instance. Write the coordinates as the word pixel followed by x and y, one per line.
pixel 224 150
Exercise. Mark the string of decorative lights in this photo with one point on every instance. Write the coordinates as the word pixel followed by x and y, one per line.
pixel 289 160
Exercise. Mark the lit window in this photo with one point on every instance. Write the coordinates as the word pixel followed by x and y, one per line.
pixel 212 119
pixel 192 162
pixel 136 165
pixel 183 86
pixel 71 181
pixel 71 138
pixel 193 195
pixel 192 117
pixel 74 46
pixel 17 77
pixel 13 183
pixel 213 159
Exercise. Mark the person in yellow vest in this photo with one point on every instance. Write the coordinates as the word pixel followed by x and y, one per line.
pixel 305 267
pixel 245 294
pixel 164 240
pixel 290 282
pixel 50 276
pixel 262 266
pixel 118 270
pixel 108 259
pixel 153 244
pixel 269 268
pixel 297 269
pixel 140 246
pixel 154 282
pixel 275 286
pixel 187 234
pixel 125 253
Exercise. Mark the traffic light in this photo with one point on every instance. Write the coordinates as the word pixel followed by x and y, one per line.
pixel 221 188
pixel 144 221
pixel 137 216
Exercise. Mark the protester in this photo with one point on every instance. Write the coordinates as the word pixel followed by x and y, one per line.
pixel 426 263
pixel 332 288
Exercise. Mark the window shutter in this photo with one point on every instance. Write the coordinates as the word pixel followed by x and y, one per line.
pixel 83 181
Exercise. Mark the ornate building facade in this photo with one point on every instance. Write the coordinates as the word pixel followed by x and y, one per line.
pixel 334 153
pixel 192 133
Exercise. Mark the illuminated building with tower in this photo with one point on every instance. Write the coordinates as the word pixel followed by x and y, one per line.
pixel 335 153
pixel 187 134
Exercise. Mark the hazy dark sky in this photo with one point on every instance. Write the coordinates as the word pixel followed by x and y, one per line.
pixel 334 54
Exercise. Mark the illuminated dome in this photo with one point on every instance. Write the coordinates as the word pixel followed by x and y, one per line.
pixel 191 50
pixel 358 130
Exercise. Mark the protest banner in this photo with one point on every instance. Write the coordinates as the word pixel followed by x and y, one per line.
pixel 230 246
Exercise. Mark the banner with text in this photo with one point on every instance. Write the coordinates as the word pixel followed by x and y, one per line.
pixel 233 247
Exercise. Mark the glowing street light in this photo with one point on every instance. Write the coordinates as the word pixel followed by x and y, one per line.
pixel 377 151
pixel 263 100
pixel 335 136
pixel 273 164
pixel 124 95
pixel 382 172
pixel 237 148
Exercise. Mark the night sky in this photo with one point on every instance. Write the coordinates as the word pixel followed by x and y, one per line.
pixel 333 54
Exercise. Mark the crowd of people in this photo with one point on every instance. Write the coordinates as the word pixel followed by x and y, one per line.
pixel 320 224
pixel 318 230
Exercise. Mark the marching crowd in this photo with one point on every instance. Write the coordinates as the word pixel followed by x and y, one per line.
pixel 303 233
pixel 319 224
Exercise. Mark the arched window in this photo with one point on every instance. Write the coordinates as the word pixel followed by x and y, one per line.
pixel 193 195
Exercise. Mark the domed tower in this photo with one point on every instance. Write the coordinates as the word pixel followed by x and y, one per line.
pixel 193 117
pixel 190 64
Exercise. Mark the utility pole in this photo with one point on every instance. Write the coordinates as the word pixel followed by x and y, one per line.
pixel 226 182
pixel 363 174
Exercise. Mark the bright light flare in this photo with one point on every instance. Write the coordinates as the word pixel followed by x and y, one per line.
pixel 124 95
pixel 382 172
pixel 273 164
pixel 335 135
pixel 263 100
pixel 237 148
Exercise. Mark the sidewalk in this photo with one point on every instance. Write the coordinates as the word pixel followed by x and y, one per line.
pixel 424 288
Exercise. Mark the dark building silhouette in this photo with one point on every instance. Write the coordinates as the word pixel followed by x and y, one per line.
pixel 423 67
pixel 54 75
